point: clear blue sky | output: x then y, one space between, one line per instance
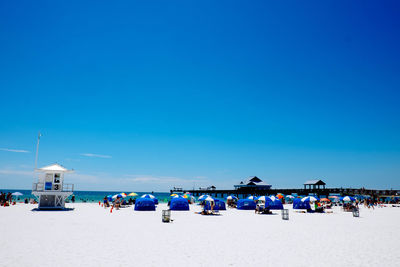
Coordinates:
145 95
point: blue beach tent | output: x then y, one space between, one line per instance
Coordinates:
179 203
273 204
207 206
298 204
145 204
245 204
220 204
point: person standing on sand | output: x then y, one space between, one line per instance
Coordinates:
105 202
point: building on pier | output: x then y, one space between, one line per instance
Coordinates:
314 184
253 183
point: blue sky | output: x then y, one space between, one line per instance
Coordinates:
146 95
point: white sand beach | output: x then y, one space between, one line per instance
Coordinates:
92 236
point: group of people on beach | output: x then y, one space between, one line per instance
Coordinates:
5 198
117 202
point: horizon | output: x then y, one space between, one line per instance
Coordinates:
148 96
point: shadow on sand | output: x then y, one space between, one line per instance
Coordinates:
44 209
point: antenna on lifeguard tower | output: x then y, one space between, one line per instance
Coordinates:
37 149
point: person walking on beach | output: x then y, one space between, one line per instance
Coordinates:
105 202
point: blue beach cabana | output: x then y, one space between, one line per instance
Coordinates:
145 204
179 203
273 204
219 204
300 205
246 204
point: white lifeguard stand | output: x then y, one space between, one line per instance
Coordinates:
50 189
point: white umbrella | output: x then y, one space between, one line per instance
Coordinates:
310 198
251 197
262 198
148 196
289 196
17 194
209 199
348 198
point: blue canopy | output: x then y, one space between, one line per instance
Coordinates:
220 204
207 206
246 204
179 203
298 204
145 204
273 204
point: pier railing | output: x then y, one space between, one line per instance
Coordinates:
243 192
41 187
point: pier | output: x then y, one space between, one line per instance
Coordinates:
244 192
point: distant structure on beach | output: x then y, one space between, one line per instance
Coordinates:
212 187
50 189
314 184
253 182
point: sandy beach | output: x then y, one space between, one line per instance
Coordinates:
92 236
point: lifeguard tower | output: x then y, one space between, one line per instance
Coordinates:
50 189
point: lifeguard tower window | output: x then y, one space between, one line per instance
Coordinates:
56 178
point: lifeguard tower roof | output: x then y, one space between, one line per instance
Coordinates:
54 168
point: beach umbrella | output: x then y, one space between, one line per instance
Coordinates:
120 195
264 198
202 197
208 199
133 194
273 198
309 198
172 195
252 197
231 197
348 198
148 196
325 199
279 196
289 196
151 197
17 194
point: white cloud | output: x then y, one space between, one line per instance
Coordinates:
96 155
14 150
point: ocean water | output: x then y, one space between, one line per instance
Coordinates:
90 196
